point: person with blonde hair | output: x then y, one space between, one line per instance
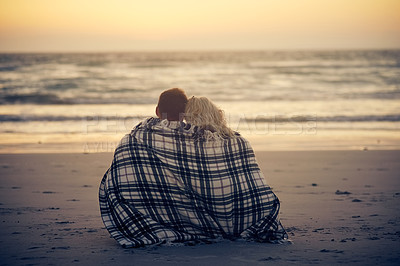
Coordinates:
173 181
201 112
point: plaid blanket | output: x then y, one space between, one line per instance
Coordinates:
171 182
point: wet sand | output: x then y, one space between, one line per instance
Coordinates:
337 206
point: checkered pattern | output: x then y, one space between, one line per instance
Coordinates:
171 182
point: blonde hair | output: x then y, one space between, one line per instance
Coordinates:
201 112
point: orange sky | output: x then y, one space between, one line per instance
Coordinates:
124 25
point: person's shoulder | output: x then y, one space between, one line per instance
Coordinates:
150 121
147 122
245 142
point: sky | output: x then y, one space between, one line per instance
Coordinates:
133 25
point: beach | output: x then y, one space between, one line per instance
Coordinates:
339 207
324 124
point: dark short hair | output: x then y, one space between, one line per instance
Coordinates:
172 104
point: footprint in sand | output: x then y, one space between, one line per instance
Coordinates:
270 259
331 251
65 222
63 248
338 192
348 239
49 192
356 200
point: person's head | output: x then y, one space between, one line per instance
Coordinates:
200 111
171 105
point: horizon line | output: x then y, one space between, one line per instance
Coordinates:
217 50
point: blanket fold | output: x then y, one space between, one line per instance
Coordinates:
172 182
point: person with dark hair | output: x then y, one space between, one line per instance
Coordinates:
173 182
171 105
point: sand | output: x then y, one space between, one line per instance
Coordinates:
337 206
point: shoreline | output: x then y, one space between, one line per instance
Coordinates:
269 143
337 206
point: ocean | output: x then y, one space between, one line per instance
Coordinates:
280 100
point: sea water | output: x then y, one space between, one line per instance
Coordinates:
278 99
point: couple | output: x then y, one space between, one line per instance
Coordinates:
195 181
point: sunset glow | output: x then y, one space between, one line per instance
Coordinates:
48 25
